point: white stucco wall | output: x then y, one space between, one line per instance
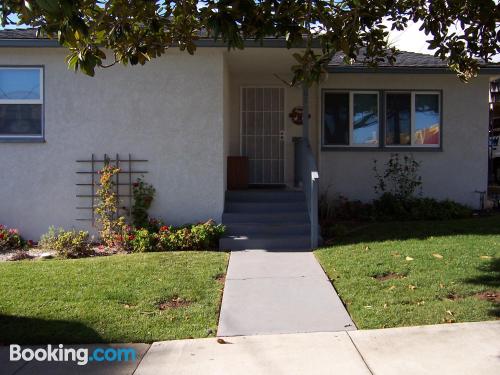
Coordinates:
169 112
455 172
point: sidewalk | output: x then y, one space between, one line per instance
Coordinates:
271 292
466 348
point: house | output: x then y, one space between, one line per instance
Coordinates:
184 115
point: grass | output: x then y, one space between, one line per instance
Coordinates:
111 299
440 267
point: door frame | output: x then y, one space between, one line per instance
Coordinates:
266 86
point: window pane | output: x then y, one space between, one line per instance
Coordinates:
336 119
427 119
398 112
19 84
365 119
20 119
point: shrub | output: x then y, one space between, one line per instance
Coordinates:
143 194
10 239
111 225
143 241
334 230
390 207
206 235
344 209
190 237
399 178
169 238
154 224
67 243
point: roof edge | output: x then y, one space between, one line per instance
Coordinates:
488 69
29 43
51 43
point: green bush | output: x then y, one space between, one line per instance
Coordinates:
67 243
143 194
206 235
390 207
399 178
190 237
202 236
10 239
142 241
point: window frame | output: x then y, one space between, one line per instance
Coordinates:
351 94
413 94
382 121
20 138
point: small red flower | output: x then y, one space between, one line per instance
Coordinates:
2 236
164 229
131 237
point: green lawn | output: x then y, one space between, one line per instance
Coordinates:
429 289
111 299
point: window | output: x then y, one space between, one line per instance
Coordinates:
398 119
21 103
336 119
409 119
350 119
365 119
413 119
427 119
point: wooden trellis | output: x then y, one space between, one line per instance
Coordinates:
123 183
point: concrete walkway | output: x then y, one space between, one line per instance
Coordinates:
270 292
466 348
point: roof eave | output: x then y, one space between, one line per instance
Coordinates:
37 43
28 43
406 69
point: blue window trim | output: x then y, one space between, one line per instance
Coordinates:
31 138
382 119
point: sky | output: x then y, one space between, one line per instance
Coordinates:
414 40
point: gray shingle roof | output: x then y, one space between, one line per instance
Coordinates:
18 34
403 59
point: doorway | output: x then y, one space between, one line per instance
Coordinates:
262 133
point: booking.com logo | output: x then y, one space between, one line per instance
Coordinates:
79 355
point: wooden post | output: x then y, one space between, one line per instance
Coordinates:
305 113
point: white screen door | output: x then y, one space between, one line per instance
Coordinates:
262 133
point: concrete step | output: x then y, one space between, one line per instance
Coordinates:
265 242
264 196
266 207
278 218
266 229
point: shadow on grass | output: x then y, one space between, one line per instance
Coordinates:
489 278
355 233
21 330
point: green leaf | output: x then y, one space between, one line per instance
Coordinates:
50 6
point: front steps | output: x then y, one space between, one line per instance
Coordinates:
265 219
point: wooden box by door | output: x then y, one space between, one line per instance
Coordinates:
237 172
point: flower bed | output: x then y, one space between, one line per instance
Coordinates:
10 239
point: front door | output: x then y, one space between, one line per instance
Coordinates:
262 133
